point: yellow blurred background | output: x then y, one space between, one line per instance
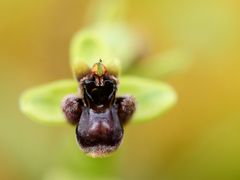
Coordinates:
198 139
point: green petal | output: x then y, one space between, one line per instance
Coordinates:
43 103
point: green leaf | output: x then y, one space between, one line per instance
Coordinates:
153 98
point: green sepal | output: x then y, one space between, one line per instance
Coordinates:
153 98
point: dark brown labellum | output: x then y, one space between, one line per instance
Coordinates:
98 114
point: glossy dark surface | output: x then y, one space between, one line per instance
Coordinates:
99 96
99 129
99 115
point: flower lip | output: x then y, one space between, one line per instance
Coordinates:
99 134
